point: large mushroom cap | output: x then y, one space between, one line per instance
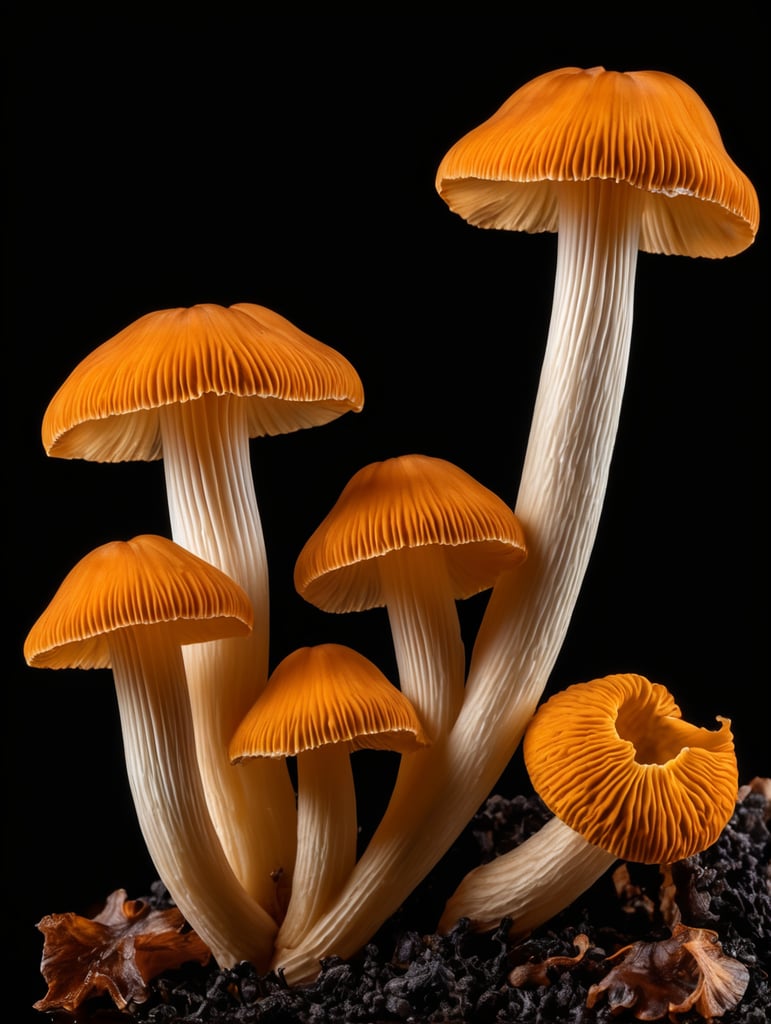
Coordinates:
108 408
646 129
615 761
139 583
414 501
327 694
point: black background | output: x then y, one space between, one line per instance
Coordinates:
290 162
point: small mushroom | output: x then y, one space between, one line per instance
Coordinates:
320 704
414 534
129 606
193 385
626 778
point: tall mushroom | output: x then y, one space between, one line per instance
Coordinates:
321 704
414 534
626 778
614 162
192 386
129 606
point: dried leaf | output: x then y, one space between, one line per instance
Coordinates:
537 973
117 952
688 971
723 981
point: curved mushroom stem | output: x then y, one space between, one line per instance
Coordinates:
561 494
529 884
159 744
213 511
326 836
569 452
426 634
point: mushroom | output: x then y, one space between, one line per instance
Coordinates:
320 704
613 162
414 534
193 385
626 778
129 606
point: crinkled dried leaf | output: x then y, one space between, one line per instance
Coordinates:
117 952
688 971
538 973
723 980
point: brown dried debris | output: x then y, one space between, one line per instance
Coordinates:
118 952
632 899
537 973
760 784
687 972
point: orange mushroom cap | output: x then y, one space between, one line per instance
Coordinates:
139 583
107 409
614 760
414 501
327 694
647 129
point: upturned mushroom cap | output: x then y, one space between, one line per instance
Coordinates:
138 583
414 501
614 760
107 409
327 694
647 129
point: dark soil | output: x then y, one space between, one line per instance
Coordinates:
406 974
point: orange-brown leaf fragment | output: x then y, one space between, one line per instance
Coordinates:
538 973
722 982
118 952
687 971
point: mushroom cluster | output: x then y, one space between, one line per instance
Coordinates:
262 860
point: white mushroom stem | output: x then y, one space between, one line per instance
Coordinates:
425 628
214 514
529 884
171 808
326 836
562 489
